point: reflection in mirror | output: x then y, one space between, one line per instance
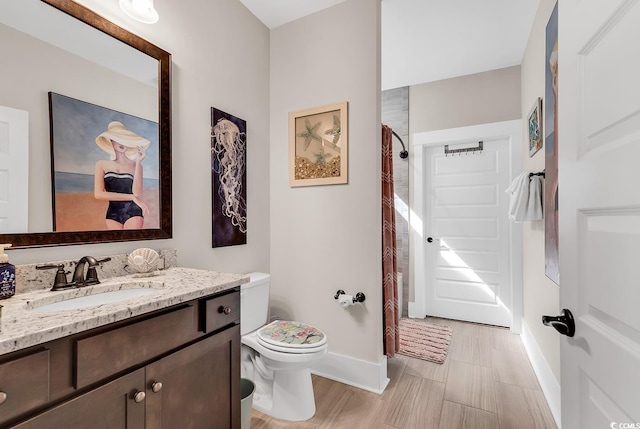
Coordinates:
69 50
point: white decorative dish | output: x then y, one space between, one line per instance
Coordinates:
144 260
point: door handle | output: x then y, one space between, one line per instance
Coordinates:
431 239
564 323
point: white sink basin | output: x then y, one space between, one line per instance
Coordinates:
98 298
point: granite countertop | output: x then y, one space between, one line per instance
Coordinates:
24 326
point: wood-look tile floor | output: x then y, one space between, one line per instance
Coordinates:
486 382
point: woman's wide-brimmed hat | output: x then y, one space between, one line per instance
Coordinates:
118 133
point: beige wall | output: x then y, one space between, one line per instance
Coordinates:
220 54
541 295
480 98
325 238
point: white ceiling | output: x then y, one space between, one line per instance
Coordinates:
428 40
274 13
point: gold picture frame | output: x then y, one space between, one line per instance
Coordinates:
318 145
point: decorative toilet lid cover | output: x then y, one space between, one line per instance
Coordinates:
292 335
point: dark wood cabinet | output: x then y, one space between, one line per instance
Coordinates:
195 388
24 383
175 368
110 406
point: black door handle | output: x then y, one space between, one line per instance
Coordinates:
564 323
431 239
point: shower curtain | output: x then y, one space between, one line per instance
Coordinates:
389 261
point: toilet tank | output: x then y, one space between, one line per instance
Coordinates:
254 302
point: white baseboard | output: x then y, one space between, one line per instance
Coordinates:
550 386
416 311
354 372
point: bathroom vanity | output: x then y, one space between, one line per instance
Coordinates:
168 359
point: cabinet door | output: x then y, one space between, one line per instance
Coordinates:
111 406
24 384
200 385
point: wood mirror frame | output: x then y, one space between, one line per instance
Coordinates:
44 239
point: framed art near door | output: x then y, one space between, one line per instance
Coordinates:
535 127
552 264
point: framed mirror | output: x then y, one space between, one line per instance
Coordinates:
62 47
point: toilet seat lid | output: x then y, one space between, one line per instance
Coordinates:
291 335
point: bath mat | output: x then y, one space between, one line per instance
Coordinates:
423 340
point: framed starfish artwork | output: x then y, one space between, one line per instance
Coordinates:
318 145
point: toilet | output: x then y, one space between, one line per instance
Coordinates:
277 356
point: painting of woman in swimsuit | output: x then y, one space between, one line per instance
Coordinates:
119 180
106 168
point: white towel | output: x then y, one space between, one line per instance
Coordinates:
519 197
525 201
534 206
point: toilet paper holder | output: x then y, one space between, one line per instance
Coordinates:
358 297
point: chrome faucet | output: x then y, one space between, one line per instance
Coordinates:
79 279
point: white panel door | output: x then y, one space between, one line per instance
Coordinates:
599 211
467 234
14 170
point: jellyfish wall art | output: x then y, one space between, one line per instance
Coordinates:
228 179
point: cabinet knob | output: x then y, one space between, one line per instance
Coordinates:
225 310
156 387
3 397
139 397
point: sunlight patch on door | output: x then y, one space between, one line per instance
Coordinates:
416 223
474 290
